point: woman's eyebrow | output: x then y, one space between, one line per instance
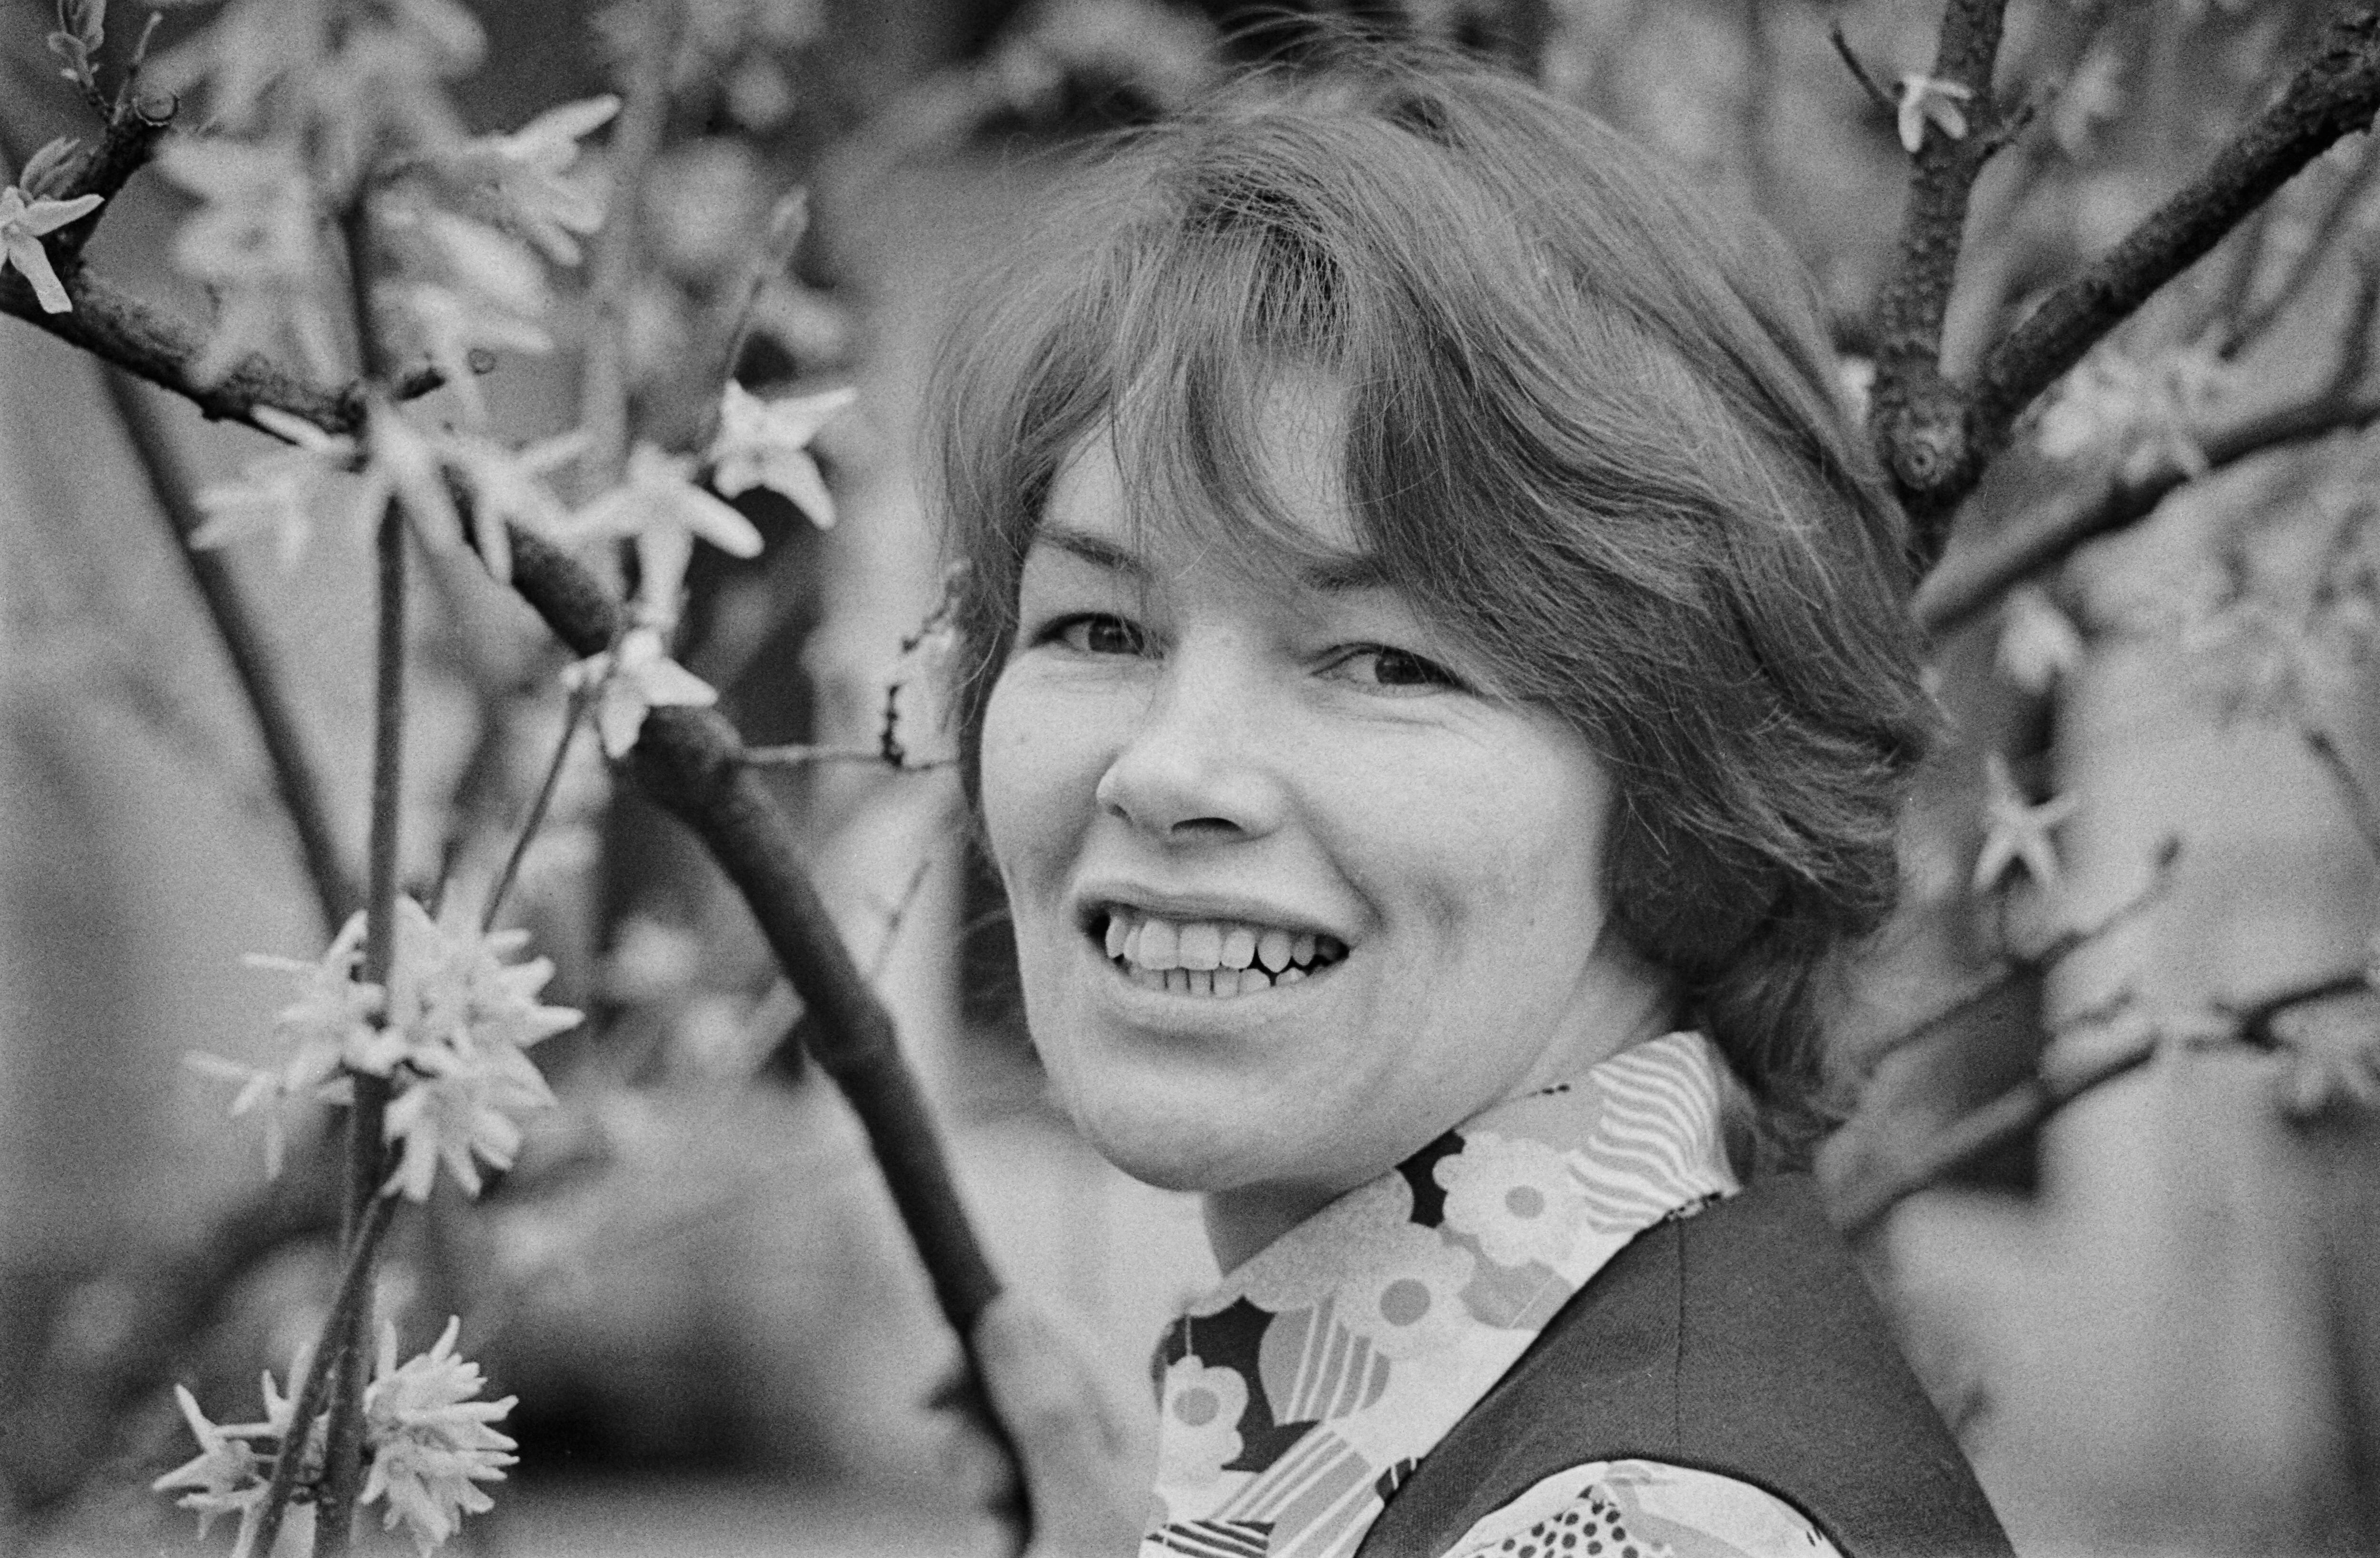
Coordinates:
1339 574
1097 551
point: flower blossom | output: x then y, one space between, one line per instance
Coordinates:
329 1028
2016 831
523 175
394 461
1926 99
226 1477
505 489
448 1032
767 443
2039 644
662 507
277 491
466 1015
633 682
23 221
430 1440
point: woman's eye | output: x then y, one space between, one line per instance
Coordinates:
1382 666
1099 635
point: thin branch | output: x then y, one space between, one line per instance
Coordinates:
2360 810
294 778
2253 1020
788 220
1972 579
1984 1130
2250 322
635 140
2016 968
571 721
1852 63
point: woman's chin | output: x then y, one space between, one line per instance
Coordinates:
1161 1138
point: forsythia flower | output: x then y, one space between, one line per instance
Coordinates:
22 223
767 443
277 491
448 1033
523 172
2039 644
1928 100
2016 831
430 1440
505 488
659 504
329 1028
226 1477
465 1015
630 685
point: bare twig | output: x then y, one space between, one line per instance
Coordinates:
1971 579
2005 1119
294 778
2017 967
2250 322
1852 63
571 721
788 220
2351 791
635 140
2253 1020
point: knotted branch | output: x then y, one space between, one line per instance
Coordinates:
1935 436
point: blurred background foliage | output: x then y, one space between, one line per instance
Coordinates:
2154 1318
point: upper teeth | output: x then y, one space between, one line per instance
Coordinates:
1149 942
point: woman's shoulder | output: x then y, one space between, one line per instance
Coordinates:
1613 1509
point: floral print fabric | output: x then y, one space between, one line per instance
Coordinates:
1299 1393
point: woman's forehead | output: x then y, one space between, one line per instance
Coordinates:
1292 533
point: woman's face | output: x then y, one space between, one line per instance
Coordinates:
1197 782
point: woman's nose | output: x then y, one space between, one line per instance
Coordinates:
1193 768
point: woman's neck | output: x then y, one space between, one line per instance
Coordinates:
1242 1221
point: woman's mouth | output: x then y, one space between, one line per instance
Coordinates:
1212 957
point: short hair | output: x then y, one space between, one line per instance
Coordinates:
1592 430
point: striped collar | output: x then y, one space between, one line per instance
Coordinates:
1300 1392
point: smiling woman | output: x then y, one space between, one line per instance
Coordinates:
1436 695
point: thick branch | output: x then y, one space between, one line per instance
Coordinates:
1918 420
692 762
1970 580
117 327
294 774
123 149
2334 94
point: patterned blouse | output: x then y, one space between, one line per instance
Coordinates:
1299 1395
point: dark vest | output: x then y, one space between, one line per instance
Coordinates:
1741 1341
